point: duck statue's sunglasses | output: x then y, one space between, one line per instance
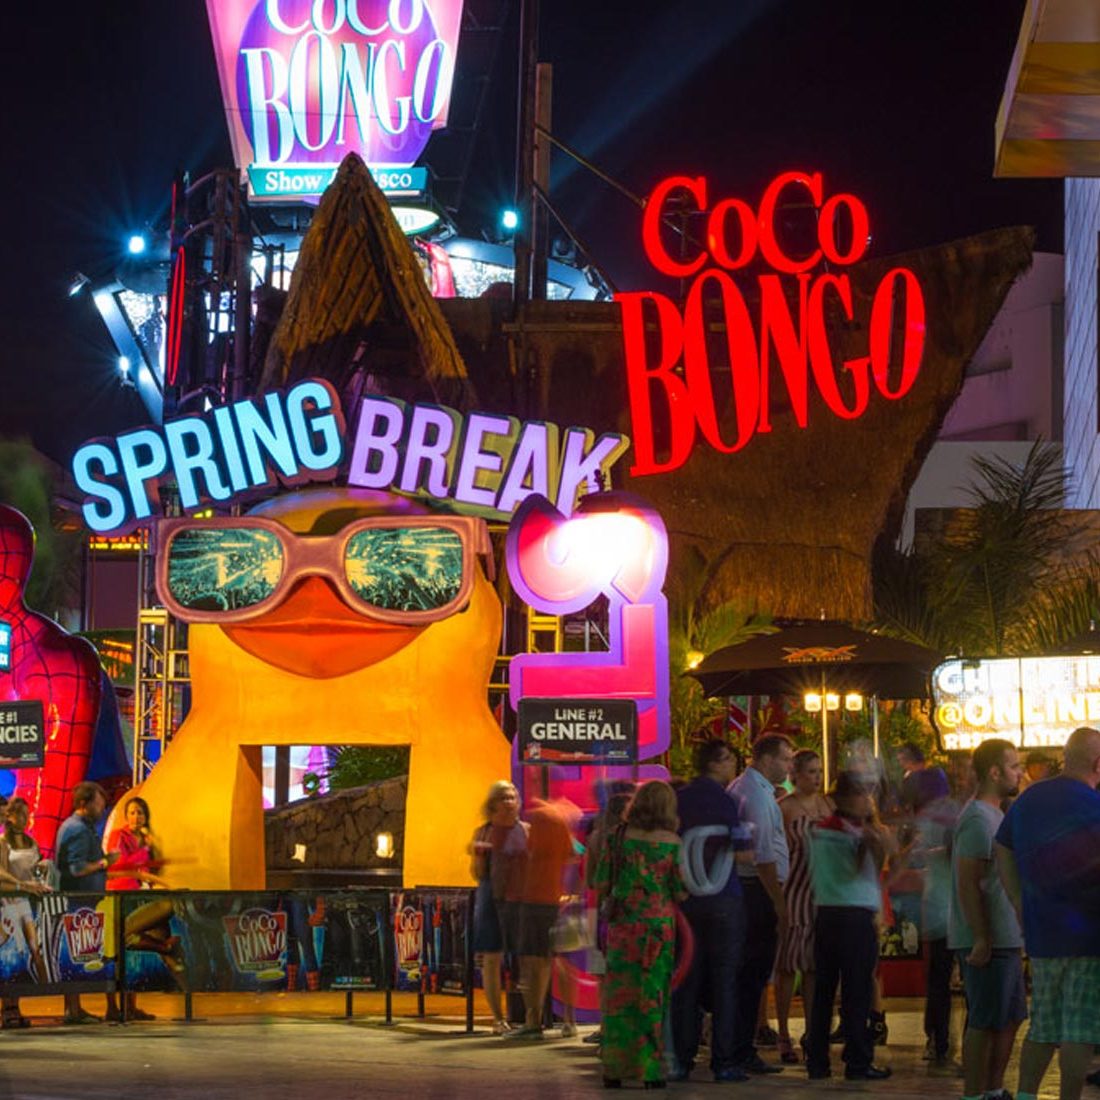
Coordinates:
409 570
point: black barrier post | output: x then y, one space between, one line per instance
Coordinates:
389 1006
469 962
188 1013
121 987
347 1004
420 1001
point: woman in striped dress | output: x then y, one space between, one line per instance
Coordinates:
801 808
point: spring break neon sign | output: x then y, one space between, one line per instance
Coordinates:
478 462
794 338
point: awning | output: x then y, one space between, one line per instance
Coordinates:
1048 123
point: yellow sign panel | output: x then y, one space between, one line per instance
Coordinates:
1035 702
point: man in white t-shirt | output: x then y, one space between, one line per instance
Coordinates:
983 928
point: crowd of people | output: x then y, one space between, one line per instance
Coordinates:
80 865
714 888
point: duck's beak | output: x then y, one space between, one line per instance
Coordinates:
314 633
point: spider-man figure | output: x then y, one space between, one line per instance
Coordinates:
52 666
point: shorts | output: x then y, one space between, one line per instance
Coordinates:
995 995
510 922
1065 1000
534 931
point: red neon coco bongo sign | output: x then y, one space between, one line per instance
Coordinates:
792 336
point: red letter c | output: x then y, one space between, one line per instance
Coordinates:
651 225
769 246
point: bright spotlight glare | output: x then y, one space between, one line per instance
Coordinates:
124 365
509 219
136 244
597 545
78 283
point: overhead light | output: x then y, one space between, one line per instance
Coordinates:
78 282
124 366
853 701
383 845
136 244
812 702
695 658
509 220
832 701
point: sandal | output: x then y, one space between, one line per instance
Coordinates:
501 1027
787 1054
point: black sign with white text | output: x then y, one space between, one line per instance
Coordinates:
22 734
578 731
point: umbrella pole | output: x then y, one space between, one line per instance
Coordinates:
874 725
824 734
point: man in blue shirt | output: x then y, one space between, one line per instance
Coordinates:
1048 855
82 865
713 839
762 883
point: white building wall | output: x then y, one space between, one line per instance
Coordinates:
1082 397
1011 395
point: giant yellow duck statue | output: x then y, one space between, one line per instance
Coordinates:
327 617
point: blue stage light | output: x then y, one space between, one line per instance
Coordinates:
136 244
509 219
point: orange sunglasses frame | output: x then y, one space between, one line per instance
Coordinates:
324 556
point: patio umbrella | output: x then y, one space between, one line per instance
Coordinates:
801 657
820 656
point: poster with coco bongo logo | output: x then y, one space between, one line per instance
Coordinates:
55 939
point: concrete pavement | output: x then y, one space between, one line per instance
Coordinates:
293 1051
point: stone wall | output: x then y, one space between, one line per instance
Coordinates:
338 830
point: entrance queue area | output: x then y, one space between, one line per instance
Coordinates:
670 901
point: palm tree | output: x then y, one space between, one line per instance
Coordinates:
1000 579
694 633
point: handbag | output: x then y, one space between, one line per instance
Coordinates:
570 932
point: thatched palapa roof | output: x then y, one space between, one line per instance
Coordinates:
358 299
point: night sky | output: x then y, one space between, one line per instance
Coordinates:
893 101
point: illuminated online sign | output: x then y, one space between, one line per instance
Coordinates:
1034 702
794 337
305 82
480 463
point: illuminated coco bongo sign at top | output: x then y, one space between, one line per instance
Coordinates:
795 338
307 81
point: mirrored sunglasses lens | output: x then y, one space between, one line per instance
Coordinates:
223 568
405 568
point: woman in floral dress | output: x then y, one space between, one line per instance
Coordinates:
639 871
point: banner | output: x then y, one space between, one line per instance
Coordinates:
22 734
255 942
430 934
56 941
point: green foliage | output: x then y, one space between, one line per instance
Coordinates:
995 582
357 765
25 484
695 633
